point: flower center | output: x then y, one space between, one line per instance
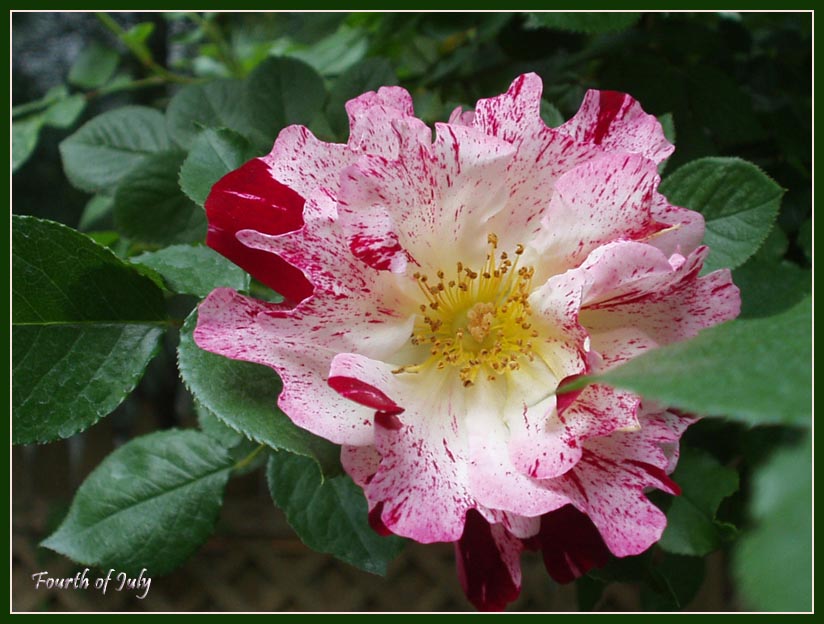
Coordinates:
479 321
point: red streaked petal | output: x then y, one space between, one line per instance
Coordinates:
638 299
376 521
298 347
602 200
421 479
570 544
360 462
609 482
488 563
250 199
361 392
616 122
551 443
304 163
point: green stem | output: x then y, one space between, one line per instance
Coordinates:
216 35
43 103
30 107
151 81
240 465
141 52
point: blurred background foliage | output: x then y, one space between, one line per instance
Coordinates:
723 84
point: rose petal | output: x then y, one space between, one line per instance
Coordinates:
360 462
433 201
300 348
249 198
321 251
494 480
616 122
488 559
304 163
684 232
551 443
514 114
637 299
542 156
374 126
421 483
570 544
608 485
522 527
597 202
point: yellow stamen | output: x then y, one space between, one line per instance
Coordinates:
478 320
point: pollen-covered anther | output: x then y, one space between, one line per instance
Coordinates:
480 318
477 320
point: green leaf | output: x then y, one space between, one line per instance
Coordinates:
774 246
805 239
691 525
193 270
150 207
243 396
24 135
335 53
668 582
215 428
329 515
216 104
368 75
280 92
247 455
667 122
731 370
93 68
58 92
96 210
429 107
668 126
106 238
84 327
591 23
138 34
215 153
739 203
63 113
770 286
589 591
673 583
104 150
773 563
550 114
149 504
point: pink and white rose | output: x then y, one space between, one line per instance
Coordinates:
437 293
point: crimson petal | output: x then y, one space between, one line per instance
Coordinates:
250 199
484 574
570 544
